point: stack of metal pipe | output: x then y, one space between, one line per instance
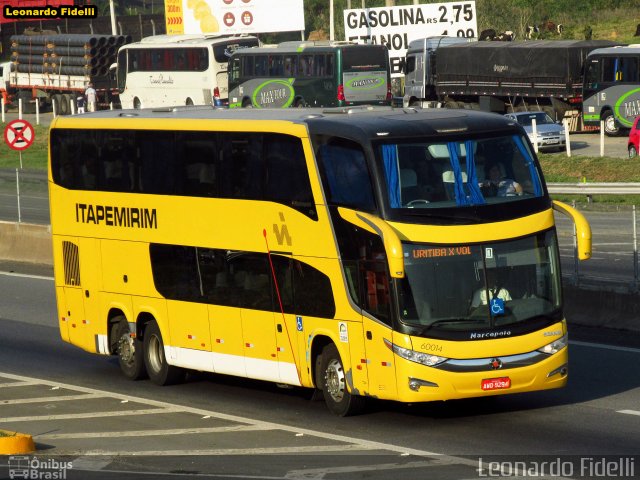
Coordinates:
65 54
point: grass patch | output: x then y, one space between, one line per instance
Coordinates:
34 157
560 168
4 433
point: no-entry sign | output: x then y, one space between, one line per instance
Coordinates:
19 134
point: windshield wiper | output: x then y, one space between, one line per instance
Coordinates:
450 321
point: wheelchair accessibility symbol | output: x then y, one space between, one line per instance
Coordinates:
497 306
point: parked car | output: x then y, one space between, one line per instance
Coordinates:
550 133
634 139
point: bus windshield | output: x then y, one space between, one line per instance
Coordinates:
437 174
473 287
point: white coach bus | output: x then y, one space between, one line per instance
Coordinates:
171 70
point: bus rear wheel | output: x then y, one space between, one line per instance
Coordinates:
334 385
129 350
160 372
611 127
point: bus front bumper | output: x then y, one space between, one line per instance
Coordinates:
418 383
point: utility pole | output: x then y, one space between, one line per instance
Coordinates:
331 21
113 18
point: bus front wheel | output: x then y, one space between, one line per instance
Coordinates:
611 127
129 350
334 385
137 104
160 372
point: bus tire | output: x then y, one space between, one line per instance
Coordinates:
189 102
611 127
334 385
129 350
137 104
246 103
160 372
299 103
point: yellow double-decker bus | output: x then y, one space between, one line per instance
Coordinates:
365 252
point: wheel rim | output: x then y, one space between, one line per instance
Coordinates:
126 349
610 124
154 352
334 380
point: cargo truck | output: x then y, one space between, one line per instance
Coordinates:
48 68
499 77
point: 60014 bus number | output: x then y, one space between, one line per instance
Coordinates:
431 347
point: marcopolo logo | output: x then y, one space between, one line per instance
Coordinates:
366 83
274 94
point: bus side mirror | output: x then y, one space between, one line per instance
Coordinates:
583 229
390 239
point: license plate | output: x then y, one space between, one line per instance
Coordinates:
496 383
553 140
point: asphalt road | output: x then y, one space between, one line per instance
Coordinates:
80 408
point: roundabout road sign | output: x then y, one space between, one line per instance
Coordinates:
19 135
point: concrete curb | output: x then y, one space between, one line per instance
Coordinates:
25 242
15 443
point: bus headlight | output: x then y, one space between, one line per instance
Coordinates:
427 359
555 346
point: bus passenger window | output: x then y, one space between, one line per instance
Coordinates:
261 65
347 176
286 175
306 65
330 62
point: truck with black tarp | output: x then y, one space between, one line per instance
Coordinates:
59 67
501 76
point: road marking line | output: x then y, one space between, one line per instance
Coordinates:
310 449
24 275
629 412
71 416
605 347
62 398
152 433
17 384
166 407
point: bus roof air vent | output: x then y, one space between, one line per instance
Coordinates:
183 108
359 109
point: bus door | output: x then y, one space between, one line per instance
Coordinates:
375 298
